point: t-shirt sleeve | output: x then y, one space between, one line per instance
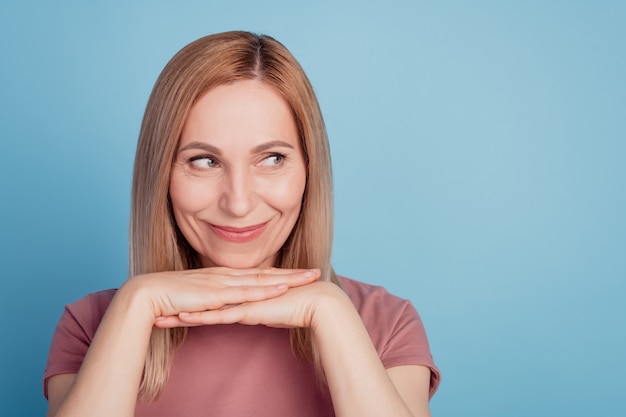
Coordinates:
73 335
395 328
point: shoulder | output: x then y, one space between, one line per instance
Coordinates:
382 312
89 310
74 332
366 296
394 326
81 319
99 299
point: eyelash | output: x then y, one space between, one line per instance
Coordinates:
194 160
281 158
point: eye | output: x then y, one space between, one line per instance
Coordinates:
203 162
274 159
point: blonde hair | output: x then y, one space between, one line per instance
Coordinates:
156 244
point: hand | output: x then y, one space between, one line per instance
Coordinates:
196 290
296 307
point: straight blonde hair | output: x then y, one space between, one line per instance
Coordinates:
156 243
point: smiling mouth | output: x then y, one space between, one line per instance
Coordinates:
238 234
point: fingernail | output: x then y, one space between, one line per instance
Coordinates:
311 273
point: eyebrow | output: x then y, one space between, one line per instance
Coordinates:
202 146
272 144
217 152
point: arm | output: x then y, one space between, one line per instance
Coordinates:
413 384
108 381
358 382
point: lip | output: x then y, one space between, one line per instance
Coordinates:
238 234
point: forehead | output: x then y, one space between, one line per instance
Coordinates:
243 112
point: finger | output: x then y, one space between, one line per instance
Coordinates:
214 299
248 314
259 277
236 314
245 271
292 278
170 322
239 294
305 278
231 272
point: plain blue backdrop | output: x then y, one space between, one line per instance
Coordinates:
479 153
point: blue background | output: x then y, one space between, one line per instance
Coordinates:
479 157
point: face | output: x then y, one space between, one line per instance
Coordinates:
239 176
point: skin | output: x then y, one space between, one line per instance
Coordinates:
239 164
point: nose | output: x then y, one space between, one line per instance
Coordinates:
238 196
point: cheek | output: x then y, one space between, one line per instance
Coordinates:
288 194
187 195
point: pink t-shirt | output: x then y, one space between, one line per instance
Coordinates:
238 370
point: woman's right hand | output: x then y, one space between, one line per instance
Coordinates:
113 366
196 290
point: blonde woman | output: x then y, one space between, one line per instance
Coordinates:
233 308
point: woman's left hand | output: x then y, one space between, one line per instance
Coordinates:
348 357
295 308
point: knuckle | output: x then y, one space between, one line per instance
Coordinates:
245 289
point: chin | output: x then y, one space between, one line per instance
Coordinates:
243 261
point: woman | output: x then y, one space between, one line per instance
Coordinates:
231 228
